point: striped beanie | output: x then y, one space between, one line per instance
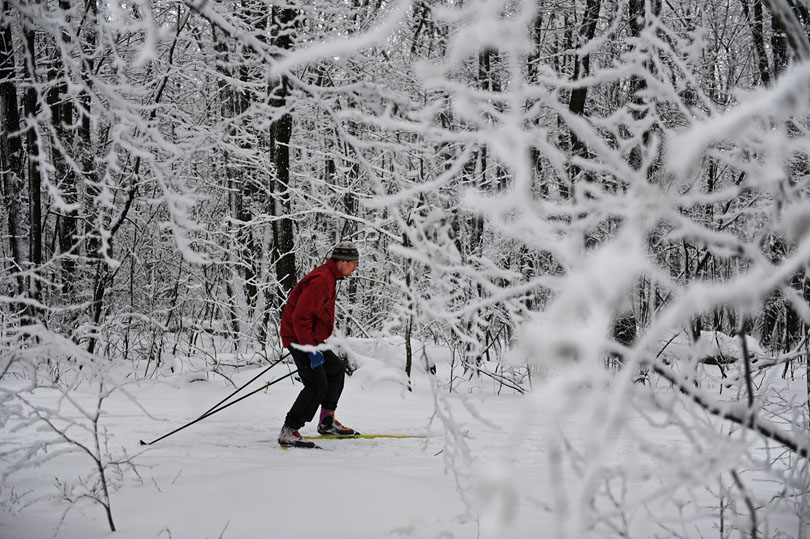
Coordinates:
346 250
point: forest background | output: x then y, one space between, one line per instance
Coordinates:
532 185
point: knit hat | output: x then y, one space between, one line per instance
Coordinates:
346 250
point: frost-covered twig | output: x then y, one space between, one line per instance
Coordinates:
740 415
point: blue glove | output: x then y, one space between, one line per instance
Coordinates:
315 359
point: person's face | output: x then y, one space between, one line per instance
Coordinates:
346 267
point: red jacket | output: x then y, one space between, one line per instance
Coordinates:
309 314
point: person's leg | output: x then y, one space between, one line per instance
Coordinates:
335 376
311 395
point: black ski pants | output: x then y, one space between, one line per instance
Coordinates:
322 386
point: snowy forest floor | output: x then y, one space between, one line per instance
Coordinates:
226 477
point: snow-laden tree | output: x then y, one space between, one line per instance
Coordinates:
634 142
581 198
607 177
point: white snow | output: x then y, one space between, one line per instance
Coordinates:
511 455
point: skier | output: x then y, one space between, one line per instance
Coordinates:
308 318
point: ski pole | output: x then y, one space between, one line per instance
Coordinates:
279 360
214 411
243 397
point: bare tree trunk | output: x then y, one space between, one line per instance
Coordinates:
283 233
807 369
230 106
576 102
34 173
11 148
787 28
61 108
255 14
282 29
758 35
637 14
409 349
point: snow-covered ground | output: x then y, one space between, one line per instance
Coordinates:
226 476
